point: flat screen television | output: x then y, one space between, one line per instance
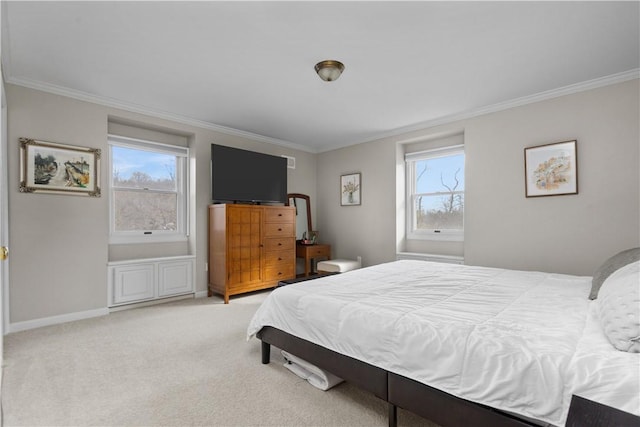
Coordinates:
243 176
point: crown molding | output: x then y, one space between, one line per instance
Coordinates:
141 109
134 108
525 100
501 106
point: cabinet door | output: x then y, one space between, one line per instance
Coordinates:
175 277
133 283
244 251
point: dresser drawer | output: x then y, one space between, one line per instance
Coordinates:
279 244
313 251
279 215
278 230
278 257
280 272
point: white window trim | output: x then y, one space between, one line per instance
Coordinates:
181 234
431 234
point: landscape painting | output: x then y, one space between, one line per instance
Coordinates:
551 169
58 168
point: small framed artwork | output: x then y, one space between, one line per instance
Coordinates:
59 168
551 169
350 187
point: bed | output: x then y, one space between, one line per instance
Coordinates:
456 343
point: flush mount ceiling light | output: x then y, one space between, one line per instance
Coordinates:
329 70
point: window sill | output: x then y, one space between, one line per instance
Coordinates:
445 237
146 238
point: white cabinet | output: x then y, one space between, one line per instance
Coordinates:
148 279
133 283
175 278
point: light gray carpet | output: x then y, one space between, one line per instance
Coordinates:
185 363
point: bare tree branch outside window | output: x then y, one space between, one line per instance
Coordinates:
439 200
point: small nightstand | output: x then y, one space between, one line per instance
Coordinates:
309 252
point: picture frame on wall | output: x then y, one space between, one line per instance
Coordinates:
50 167
551 169
350 189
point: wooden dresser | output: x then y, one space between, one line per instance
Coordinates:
250 247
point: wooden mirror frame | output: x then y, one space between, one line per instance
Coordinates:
308 199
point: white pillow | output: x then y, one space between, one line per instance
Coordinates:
612 264
619 308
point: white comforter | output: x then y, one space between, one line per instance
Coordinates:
512 340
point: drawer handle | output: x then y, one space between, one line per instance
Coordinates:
279 244
279 214
279 259
279 229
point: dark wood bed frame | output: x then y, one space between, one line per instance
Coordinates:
441 408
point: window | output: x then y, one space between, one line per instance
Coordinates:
435 194
148 189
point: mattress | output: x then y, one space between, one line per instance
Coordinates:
518 341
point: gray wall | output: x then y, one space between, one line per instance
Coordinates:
59 244
568 234
60 247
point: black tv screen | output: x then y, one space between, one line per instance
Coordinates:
246 176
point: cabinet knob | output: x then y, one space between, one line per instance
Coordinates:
279 229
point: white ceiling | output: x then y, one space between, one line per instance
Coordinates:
248 66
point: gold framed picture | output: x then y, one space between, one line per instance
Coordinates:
51 167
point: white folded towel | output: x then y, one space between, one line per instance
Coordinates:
315 376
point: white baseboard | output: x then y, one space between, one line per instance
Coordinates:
149 303
201 294
54 320
70 317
